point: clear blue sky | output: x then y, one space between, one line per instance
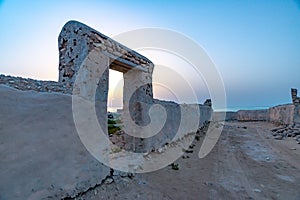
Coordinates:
254 44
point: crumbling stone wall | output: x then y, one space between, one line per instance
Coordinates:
170 128
253 115
288 114
296 103
282 114
295 98
77 41
228 116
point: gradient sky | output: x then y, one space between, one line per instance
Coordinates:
254 44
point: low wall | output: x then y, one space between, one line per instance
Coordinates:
180 118
282 114
253 115
227 116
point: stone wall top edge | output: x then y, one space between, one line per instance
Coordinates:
76 24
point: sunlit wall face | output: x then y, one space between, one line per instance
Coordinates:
255 46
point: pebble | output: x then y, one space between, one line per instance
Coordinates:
256 190
108 181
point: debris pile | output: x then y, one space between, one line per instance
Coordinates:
286 131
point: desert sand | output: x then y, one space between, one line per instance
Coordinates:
246 163
43 158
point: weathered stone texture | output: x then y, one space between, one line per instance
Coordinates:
170 128
253 115
295 98
227 116
76 40
297 115
288 114
282 114
296 102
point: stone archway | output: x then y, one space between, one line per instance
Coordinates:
77 41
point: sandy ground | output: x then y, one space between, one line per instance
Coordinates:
246 163
41 155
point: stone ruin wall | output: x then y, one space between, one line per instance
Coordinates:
253 115
296 103
228 116
288 114
282 114
76 40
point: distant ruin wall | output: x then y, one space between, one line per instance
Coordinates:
253 115
206 113
282 114
288 114
228 116
296 103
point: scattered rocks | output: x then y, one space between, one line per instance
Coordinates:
243 127
108 180
120 173
297 138
256 190
188 151
175 166
278 137
286 131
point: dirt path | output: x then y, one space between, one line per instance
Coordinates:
252 165
246 163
